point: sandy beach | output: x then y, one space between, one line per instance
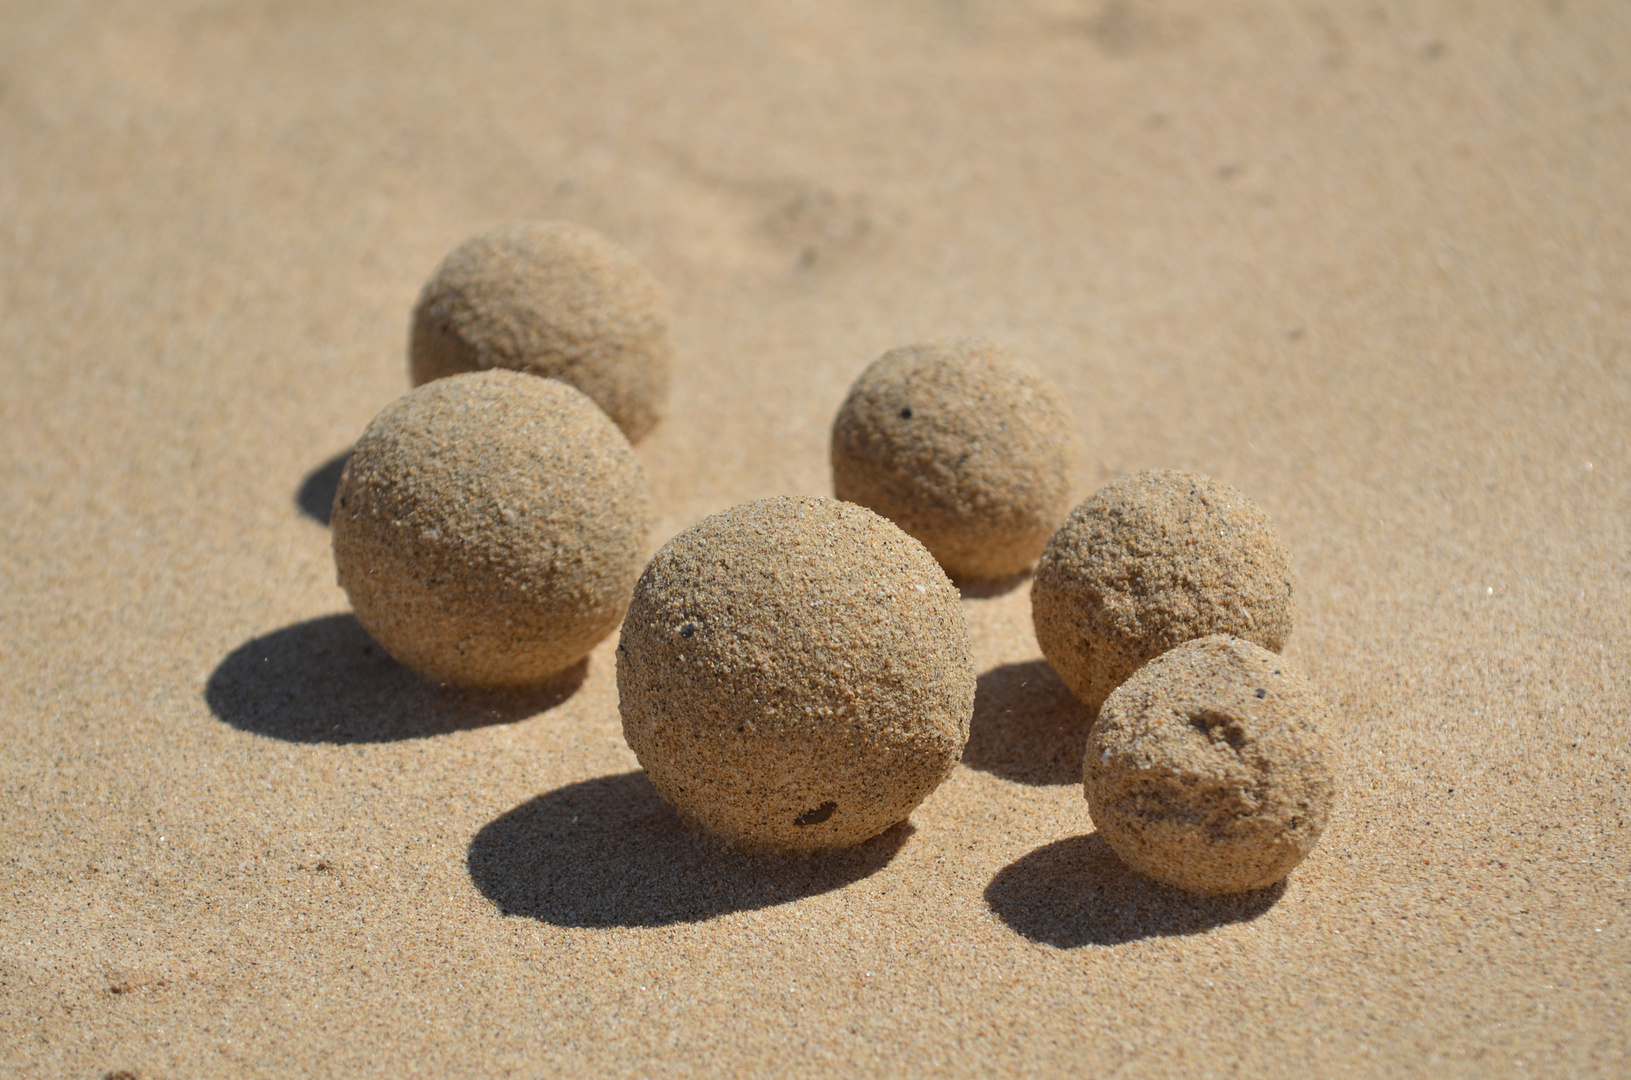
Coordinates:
1369 263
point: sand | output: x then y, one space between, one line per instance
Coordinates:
1369 263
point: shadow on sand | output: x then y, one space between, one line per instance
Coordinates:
1076 892
326 680
316 495
1027 726
993 588
611 852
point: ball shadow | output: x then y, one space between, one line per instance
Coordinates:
1077 892
1027 726
991 588
316 495
611 852
327 681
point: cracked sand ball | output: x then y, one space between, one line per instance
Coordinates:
794 673
1149 562
488 528
964 447
1207 770
551 299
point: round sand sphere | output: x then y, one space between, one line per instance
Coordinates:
1149 562
552 299
795 673
964 447
1207 769
488 528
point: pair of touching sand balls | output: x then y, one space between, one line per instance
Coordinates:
1163 602
489 526
795 673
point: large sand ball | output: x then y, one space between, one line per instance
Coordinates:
1208 770
1149 562
488 528
795 673
551 299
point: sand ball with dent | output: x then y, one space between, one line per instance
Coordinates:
964 447
1207 769
552 299
488 528
794 673
1149 562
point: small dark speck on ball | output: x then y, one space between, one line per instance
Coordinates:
816 816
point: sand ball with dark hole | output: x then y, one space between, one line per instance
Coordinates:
794 673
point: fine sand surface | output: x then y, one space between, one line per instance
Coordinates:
1370 263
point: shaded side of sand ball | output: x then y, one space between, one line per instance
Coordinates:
964 447
1149 562
1207 769
795 673
552 299
488 528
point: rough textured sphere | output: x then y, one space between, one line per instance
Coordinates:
1149 562
962 446
488 528
1207 769
551 299
795 673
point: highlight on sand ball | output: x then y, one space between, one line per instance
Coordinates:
1149 562
552 299
1207 770
963 446
488 528
794 673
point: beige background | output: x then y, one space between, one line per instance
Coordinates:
1368 262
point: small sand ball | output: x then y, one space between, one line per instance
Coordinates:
551 299
795 673
964 447
1149 562
1207 769
488 528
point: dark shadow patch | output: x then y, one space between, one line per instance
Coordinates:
989 590
1125 30
316 495
1027 726
611 852
1077 892
327 681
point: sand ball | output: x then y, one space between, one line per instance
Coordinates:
488 528
795 673
552 299
1149 562
1207 769
964 447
